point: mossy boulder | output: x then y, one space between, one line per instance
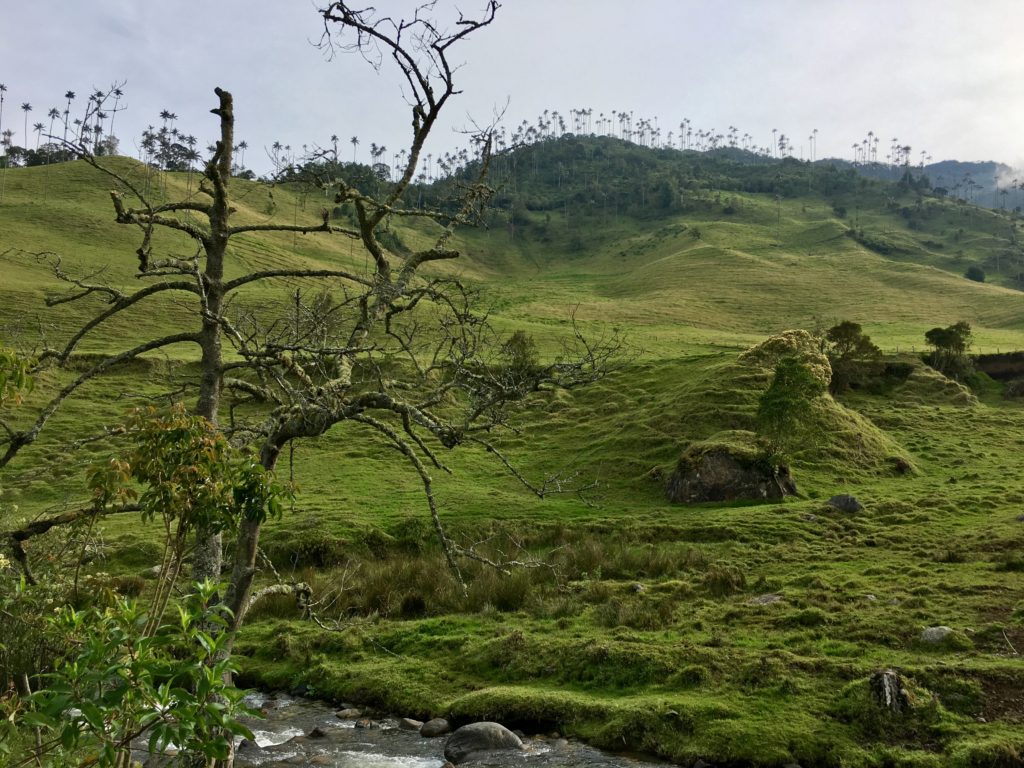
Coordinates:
728 466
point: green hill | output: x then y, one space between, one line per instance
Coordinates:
738 633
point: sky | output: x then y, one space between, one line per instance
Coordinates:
944 76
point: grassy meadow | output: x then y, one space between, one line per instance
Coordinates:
739 633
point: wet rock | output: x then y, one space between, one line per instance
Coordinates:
302 689
365 722
317 733
936 635
408 724
845 503
479 737
320 760
348 714
436 727
248 746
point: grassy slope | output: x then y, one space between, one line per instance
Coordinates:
689 665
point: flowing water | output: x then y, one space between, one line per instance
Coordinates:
282 739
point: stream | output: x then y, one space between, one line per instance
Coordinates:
282 739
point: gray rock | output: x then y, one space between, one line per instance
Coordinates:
365 722
768 599
436 727
935 635
479 737
348 714
714 471
408 724
844 503
317 733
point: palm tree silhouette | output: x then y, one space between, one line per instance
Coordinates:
38 128
70 96
26 108
118 93
3 90
355 143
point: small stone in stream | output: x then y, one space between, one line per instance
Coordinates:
320 760
364 722
436 727
348 714
408 724
317 733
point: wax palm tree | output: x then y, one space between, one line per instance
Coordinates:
242 146
26 108
53 114
70 96
118 93
38 128
5 141
3 90
355 143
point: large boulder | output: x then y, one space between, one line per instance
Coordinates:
479 737
728 466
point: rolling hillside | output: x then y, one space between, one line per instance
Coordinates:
743 634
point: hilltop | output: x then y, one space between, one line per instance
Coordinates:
742 633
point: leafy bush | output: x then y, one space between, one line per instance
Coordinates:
125 680
975 273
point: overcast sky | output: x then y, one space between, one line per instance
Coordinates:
945 76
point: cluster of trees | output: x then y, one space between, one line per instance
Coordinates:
949 350
91 129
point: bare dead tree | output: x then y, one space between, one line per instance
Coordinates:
397 351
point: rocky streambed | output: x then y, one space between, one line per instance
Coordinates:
305 732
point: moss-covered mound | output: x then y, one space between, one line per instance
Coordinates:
798 343
845 441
